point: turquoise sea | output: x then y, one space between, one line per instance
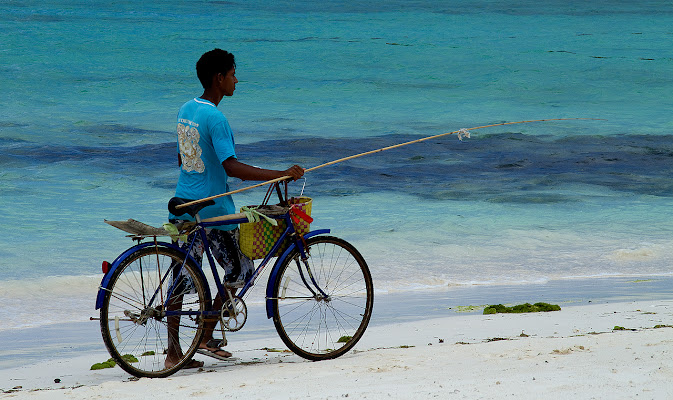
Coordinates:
89 93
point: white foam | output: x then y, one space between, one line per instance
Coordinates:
47 300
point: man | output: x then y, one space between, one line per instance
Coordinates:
207 159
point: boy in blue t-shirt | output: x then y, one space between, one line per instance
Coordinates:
207 158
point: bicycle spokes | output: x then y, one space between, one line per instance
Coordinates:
323 305
153 341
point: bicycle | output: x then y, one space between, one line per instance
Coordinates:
154 296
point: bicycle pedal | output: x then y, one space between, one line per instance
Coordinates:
234 285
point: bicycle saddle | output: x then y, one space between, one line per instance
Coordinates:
191 210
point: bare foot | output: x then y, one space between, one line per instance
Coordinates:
194 364
191 364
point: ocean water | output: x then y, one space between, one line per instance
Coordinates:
90 91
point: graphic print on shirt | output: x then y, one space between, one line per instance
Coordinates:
190 151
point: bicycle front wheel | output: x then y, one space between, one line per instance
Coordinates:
138 333
323 305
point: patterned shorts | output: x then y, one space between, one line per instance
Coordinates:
224 247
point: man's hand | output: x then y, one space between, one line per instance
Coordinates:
295 172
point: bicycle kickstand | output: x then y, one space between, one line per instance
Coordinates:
224 337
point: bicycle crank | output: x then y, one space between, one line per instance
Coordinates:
234 314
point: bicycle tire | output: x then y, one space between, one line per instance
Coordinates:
138 343
315 327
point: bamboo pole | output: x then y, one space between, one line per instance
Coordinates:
378 151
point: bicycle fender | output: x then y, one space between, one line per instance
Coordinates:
115 264
273 275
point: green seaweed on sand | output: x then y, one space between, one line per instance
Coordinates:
344 339
521 308
148 353
110 363
274 350
621 328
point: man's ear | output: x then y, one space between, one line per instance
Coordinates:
215 80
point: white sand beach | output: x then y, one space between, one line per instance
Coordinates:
574 353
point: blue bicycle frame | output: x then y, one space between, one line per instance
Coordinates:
288 233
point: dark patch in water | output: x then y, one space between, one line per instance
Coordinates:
165 184
507 167
539 198
11 140
501 168
516 164
114 129
9 124
39 18
517 7
133 160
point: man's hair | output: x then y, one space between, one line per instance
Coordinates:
212 63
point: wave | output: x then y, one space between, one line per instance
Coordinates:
69 299
47 300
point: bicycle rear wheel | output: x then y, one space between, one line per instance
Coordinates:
136 331
322 306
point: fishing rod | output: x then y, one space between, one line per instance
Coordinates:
464 132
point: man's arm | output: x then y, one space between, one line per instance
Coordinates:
246 172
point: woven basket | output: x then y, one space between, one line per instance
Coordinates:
257 238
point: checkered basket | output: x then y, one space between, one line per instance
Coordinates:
257 238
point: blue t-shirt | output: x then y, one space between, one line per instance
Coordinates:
205 140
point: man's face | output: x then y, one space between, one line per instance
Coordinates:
229 82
